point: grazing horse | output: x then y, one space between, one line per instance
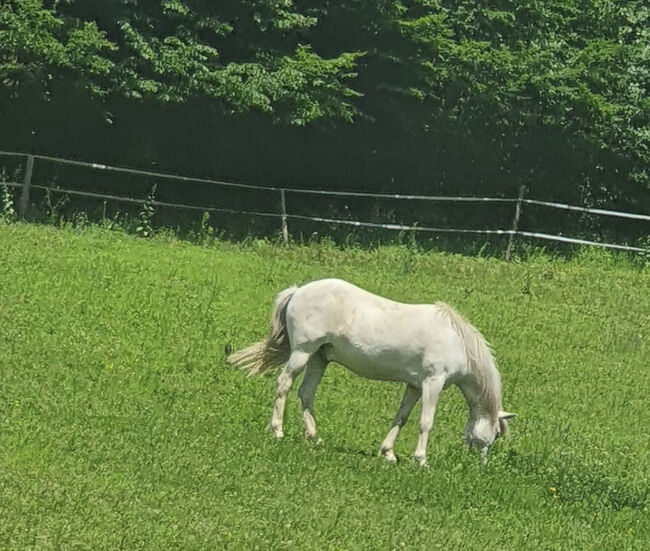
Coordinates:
426 346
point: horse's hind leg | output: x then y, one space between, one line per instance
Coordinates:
295 365
313 374
411 396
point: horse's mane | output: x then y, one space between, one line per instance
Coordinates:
479 357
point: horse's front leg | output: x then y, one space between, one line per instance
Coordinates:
431 389
313 375
411 396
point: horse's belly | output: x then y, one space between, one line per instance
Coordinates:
383 365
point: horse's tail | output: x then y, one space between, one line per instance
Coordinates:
479 357
275 350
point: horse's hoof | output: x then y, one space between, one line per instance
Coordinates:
389 456
279 435
421 461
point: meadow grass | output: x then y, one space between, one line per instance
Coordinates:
122 427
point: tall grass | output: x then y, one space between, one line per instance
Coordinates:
121 426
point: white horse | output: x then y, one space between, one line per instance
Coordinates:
426 346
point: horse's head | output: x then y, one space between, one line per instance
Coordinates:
481 432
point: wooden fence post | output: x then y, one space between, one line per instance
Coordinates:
515 222
27 182
283 207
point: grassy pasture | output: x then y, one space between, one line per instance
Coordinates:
121 426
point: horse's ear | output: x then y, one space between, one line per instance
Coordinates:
503 422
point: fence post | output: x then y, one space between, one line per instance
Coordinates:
515 222
27 182
283 207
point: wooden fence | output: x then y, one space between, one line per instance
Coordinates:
284 217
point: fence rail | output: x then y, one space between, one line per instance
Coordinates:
285 216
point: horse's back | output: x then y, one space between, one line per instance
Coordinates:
334 307
371 335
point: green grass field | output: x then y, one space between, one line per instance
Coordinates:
122 427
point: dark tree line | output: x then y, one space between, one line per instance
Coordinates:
398 95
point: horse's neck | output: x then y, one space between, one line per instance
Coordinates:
471 390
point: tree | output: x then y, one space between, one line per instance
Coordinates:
467 95
37 46
247 56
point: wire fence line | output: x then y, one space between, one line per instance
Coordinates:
284 216
588 210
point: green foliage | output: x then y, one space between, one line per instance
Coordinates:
122 426
55 204
146 214
501 88
37 45
171 52
583 68
7 208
